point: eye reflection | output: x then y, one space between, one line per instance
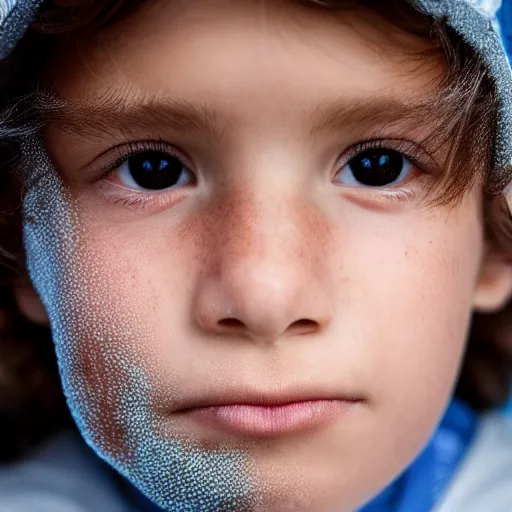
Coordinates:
153 170
379 167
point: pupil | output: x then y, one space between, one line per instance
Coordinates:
155 170
377 167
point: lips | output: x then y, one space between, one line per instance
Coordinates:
246 396
267 414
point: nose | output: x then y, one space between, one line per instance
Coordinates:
263 279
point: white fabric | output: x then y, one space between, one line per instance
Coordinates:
63 476
483 482
6 7
488 7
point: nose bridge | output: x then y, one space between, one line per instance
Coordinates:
259 273
267 231
264 238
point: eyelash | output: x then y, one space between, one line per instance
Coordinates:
416 155
130 149
127 151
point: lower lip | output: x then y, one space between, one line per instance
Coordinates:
263 420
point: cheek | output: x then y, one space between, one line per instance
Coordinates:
432 286
96 330
417 282
96 293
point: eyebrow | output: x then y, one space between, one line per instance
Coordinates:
125 112
94 117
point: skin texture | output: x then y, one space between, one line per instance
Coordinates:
265 270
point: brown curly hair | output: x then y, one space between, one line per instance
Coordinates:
31 400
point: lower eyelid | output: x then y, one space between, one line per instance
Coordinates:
384 200
410 189
141 200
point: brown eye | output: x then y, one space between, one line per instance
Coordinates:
379 167
153 170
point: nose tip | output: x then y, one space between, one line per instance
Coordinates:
261 306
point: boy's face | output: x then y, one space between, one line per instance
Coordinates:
239 217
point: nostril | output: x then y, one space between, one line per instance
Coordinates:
297 328
303 326
231 323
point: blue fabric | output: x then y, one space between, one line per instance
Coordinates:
15 18
505 19
508 408
421 485
140 502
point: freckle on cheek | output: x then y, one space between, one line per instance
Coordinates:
103 339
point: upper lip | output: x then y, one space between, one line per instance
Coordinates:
240 396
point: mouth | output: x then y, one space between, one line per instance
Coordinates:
268 415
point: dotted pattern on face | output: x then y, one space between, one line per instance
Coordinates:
107 390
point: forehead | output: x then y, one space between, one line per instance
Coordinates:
232 53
